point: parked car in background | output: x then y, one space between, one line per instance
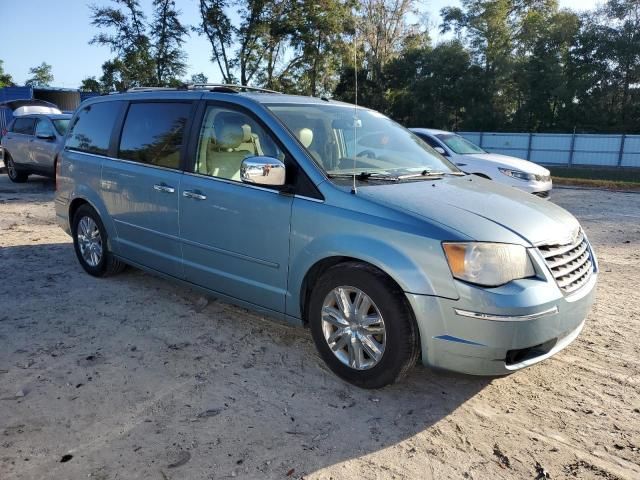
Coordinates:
11 108
325 215
31 145
470 158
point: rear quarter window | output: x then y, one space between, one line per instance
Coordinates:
92 127
153 133
25 126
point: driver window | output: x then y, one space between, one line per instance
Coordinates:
227 137
430 141
44 128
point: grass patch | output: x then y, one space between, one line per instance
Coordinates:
597 177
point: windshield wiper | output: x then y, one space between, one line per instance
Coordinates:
423 174
364 176
427 174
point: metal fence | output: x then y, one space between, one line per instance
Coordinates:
563 148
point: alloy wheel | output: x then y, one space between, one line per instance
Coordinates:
353 327
11 169
89 241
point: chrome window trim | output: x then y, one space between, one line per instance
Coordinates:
132 162
150 165
98 155
506 318
232 182
311 199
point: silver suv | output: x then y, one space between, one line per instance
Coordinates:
32 143
329 216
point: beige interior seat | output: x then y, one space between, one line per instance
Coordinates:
227 149
250 141
305 135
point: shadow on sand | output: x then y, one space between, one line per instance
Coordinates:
273 404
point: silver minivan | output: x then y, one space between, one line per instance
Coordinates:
329 216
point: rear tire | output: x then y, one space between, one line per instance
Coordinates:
382 341
15 175
90 242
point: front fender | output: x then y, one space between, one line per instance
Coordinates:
413 259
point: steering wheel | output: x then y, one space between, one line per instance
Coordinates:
367 153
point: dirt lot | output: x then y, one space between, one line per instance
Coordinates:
133 377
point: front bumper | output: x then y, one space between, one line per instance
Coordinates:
540 189
527 322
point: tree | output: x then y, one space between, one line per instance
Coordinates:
199 78
41 76
320 39
383 28
5 78
542 70
167 37
217 27
147 53
606 65
291 45
90 84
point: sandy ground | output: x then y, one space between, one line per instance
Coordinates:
133 377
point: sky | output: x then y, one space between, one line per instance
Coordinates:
58 32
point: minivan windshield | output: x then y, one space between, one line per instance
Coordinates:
61 125
459 145
346 141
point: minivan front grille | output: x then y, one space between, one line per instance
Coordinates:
570 263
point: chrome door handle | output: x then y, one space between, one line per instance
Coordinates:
164 188
194 195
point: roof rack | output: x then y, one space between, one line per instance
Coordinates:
149 89
221 87
193 86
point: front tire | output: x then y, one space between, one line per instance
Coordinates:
362 325
91 245
15 175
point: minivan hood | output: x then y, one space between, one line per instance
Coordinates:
481 209
508 162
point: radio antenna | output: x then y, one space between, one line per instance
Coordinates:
354 189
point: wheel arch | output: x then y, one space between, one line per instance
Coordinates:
84 197
75 204
321 266
318 268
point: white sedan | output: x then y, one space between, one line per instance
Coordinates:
470 158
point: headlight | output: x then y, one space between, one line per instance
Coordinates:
488 264
518 174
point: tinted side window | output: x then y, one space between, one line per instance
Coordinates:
153 133
24 125
45 128
429 140
91 129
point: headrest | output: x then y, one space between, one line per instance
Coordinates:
246 133
229 135
305 135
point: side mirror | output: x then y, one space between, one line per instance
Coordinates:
263 171
440 150
46 136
